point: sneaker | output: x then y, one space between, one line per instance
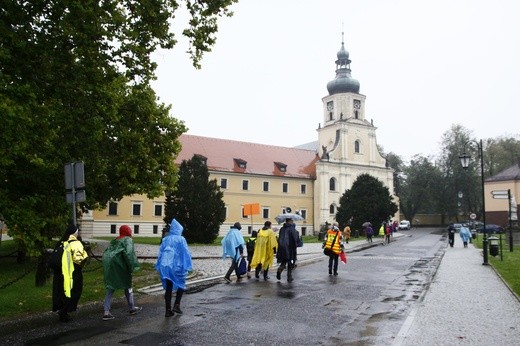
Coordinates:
169 313
135 310
228 280
108 317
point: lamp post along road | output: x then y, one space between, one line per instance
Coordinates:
464 160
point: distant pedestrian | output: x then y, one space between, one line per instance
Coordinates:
68 278
346 233
451 234
369 232
334 242
233 247
286 253
265 248
250 247
119 262
465 235
388 233
173 264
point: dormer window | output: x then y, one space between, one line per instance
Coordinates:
282 167
202 159
240 163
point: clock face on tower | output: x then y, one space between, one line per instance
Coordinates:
357 104
330 106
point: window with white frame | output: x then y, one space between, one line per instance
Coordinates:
266 186
245 185
285 187
223 183
303 189
136 208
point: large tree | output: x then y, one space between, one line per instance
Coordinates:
75 86
196 202
367 201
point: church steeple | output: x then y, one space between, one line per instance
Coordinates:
343 81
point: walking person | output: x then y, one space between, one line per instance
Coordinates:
369 231
346 233
173 264
388 233
68 278
265 248
465 235
334 242
286 253
250 247
451 234
119 262
233 247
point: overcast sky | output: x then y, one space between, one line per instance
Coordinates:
423 66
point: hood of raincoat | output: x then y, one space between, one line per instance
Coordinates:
124 231
175 228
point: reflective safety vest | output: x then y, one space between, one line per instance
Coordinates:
336 247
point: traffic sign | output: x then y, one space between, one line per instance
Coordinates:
472 216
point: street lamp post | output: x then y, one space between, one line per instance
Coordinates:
464 160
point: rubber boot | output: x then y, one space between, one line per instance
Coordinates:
177 304
266 277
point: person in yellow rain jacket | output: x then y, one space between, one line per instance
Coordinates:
265 248
68 286
333 241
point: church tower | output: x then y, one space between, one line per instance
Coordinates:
347 143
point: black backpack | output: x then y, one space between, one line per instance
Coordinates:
250 245
56 256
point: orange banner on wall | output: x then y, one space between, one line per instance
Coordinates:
251 209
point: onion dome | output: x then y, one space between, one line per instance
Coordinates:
343 82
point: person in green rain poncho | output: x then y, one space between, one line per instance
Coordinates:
119 262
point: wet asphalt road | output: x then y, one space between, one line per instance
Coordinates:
367 303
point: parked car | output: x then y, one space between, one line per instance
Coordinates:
404 224
490 228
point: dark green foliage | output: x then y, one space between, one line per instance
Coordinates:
75 86
196 203
367 201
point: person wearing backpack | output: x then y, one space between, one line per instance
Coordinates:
334 242
67 283
119 262
250 247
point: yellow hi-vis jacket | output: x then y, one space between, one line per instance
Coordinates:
67 268
336 247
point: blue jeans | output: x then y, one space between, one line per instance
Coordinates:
129 294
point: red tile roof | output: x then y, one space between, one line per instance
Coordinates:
224 155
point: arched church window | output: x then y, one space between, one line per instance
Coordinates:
332 184
356 146
330 116
356 114
332 209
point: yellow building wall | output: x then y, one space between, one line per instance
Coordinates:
97 223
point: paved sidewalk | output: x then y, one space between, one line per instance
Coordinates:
467 304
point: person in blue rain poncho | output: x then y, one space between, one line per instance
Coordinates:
233 246
465 235
173 265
